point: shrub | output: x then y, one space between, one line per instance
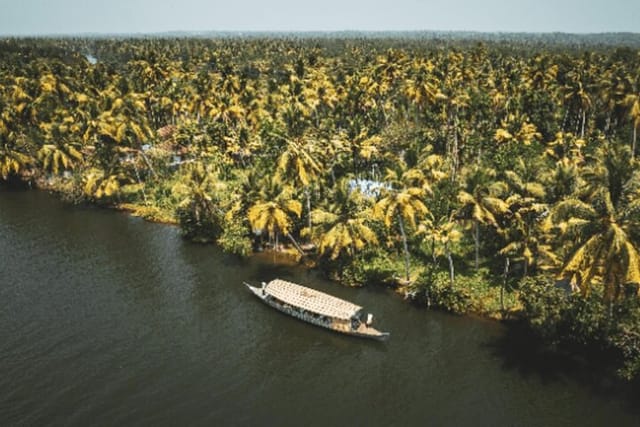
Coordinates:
372 268
625 338
587 323
234 238
544 306
436 288
198 224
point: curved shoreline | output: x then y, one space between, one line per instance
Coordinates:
288 257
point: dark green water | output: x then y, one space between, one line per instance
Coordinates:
106 319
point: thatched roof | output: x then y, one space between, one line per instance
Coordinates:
311 300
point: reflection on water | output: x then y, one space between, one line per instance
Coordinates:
105 316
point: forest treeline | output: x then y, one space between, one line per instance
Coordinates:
493 177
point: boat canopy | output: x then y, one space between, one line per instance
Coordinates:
311 300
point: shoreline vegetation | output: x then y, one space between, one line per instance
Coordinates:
496 177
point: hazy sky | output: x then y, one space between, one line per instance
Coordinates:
22 17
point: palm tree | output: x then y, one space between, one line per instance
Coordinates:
100 185
480 202
577 97
404 205
13 159
613 86
600 224
566 146
527 213
298 163
341 228
12 162
632 101
528 233
560 181
123 121
55 158
422 88
457 102
273 215
199 209
441 234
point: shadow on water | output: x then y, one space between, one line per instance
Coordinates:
520 350
15 184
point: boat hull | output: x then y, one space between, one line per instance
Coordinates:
327 323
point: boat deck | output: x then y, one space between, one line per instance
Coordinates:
311 300
316 307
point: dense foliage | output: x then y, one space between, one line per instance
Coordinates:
451 170
584 325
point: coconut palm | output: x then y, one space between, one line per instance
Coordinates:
273 215
422 88
440 235
632 102
528 234
341 227
526 230
13 158
56 158
404 206
480 202
100 185
12 161
298 164
613 87
600 224
199 192
561 180
577 97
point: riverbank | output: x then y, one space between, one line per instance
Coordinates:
478 297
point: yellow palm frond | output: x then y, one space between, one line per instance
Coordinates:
633 264
294 206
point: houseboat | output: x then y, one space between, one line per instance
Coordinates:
317 308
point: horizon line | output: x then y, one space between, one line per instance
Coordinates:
294 32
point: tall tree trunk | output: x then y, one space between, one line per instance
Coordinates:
295 244
354 162
449 143
433 250
504 282
307 193
633 142
405 247
149 165
452 272
144 195
476 241
584 119
525 270
275 249
455 149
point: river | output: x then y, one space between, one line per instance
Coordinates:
107 319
